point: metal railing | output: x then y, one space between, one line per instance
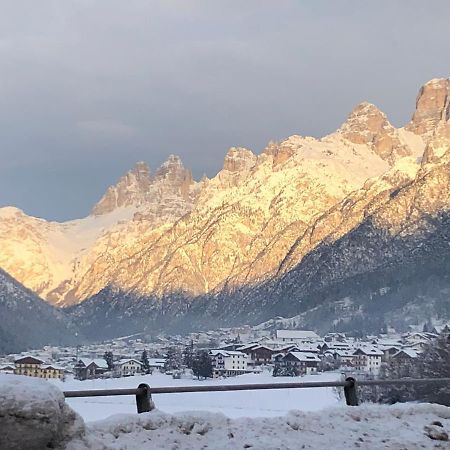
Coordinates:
144 401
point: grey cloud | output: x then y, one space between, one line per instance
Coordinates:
88 87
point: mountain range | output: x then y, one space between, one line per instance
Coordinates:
348 231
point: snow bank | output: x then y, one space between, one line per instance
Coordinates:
368 427
34 415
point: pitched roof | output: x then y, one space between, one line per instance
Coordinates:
124 361
29 360
304 356
296 334
99 362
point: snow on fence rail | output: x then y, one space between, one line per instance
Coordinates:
145 403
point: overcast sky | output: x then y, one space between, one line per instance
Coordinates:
89 87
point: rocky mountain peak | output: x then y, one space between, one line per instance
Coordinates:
364 124
432 108
170 167
128 191
367 125
239 159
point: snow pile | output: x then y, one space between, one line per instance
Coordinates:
369 427
34 415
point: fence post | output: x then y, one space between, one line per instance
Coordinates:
351 397
144 400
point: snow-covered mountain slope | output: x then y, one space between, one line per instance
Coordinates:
378 255
26 321
48 257
256 219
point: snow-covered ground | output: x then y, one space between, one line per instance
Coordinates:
370 427
264 403
34 416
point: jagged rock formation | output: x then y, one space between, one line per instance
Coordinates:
432 108
49 257
29 322
262 217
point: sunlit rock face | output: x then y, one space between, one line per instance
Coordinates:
161 232
432 108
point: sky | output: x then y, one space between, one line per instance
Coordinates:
90 87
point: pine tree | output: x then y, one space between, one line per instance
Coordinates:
145 363
173 359
188 355
202 365
109 358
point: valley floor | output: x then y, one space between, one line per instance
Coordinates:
267 403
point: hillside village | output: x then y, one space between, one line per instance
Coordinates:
229 352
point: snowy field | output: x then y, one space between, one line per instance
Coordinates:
264 403
34 416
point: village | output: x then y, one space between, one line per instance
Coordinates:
227 352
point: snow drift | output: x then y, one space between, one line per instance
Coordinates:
33 415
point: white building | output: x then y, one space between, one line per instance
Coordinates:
228 363
297 336
128 367
367 359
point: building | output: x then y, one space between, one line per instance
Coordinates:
297 336
90 368
7 368
228 363
367 359
127 368
35 367
157 363
258 354
296 363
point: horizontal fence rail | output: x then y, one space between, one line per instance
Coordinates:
145 403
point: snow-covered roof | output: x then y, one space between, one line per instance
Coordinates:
98 361
297 334
304 356
28 359
370 351
125 361
226 353
156 362
51 366
406 351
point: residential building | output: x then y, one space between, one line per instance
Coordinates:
7 368
128 367
367 359
258 355
90 368
228 363
35 367
297 363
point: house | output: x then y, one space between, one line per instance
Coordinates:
367 359
405 356
228 363
127 367
389 351
296 363
90 368
35 367
7 368
258 354
157 363
344 356
297 336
